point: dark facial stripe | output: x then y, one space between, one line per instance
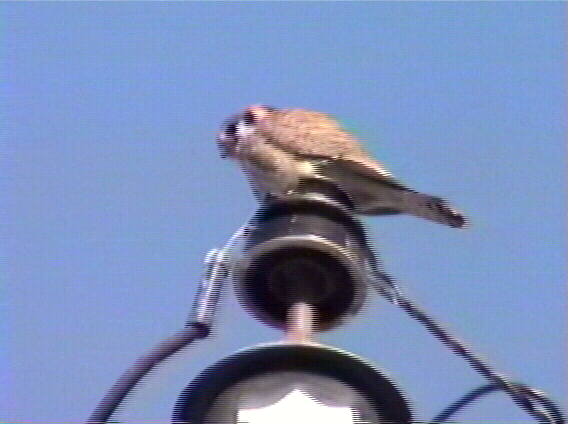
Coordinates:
248 118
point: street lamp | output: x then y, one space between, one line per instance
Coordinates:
304 268
300 382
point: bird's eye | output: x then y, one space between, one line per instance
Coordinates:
248 117
231 129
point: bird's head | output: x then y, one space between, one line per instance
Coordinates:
240 126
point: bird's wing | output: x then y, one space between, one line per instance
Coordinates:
303 132
359 169
373 192
315 135
341 159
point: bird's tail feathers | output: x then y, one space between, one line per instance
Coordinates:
376 194
432 208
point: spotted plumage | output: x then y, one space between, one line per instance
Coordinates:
277 148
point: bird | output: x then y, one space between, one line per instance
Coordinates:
280 148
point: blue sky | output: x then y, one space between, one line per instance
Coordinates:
115 191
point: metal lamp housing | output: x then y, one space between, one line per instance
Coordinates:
305 247
259 376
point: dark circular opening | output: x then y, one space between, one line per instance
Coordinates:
278 279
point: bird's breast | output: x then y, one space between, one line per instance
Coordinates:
271 169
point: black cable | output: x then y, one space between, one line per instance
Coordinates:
450 410
208 296
198 327
386 287
141 367
453 408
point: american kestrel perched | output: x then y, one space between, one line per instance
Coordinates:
278 148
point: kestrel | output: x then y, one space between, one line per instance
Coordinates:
278 148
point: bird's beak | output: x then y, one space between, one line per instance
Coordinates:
223 145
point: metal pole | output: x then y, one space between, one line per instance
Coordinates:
300 323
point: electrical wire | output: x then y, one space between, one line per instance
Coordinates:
198 327
478 392
522 395
116 394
